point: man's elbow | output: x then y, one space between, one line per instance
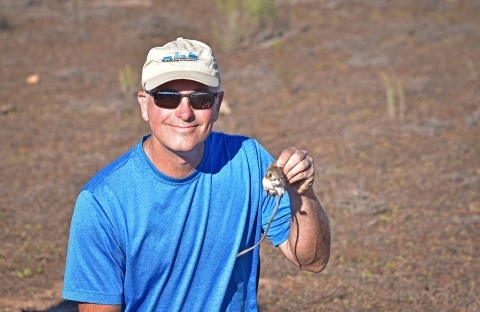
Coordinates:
316 267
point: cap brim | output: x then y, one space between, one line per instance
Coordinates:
201 77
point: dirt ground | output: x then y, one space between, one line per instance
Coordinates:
385 95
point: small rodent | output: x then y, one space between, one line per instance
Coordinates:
274 185
274 181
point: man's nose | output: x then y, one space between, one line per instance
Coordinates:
184 111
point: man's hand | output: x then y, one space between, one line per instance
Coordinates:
298 168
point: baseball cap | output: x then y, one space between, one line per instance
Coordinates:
180 59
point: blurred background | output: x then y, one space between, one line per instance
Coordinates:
385 95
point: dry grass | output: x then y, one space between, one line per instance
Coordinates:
402 193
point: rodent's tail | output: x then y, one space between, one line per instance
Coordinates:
264 234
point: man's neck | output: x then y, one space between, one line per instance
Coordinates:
172 163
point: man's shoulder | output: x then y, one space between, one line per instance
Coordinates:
233 147
227 136
232 140
114 170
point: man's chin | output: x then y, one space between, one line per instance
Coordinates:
185 147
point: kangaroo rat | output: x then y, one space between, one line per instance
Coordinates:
274 185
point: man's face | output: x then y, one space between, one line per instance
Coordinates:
182 129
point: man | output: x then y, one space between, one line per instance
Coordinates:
159 229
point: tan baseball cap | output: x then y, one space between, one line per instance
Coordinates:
180 59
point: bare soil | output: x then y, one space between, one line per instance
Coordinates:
401 183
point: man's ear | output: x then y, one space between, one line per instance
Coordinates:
143 101
219 103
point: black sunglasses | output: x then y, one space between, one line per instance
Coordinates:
171 100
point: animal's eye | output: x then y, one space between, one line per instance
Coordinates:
269 174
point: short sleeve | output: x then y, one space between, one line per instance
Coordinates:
95 264
280 227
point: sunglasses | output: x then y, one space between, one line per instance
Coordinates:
171 100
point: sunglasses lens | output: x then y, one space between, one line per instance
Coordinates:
202 100
167 100
171 100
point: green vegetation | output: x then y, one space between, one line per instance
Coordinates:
27 272
392 95
244 22
128 80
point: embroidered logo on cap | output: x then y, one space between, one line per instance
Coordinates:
179 57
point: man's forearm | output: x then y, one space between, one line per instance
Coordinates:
308 245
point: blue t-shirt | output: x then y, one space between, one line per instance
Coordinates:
155 243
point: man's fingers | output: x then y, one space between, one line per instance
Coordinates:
301 171
296 164
298 168
290 158
285 156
